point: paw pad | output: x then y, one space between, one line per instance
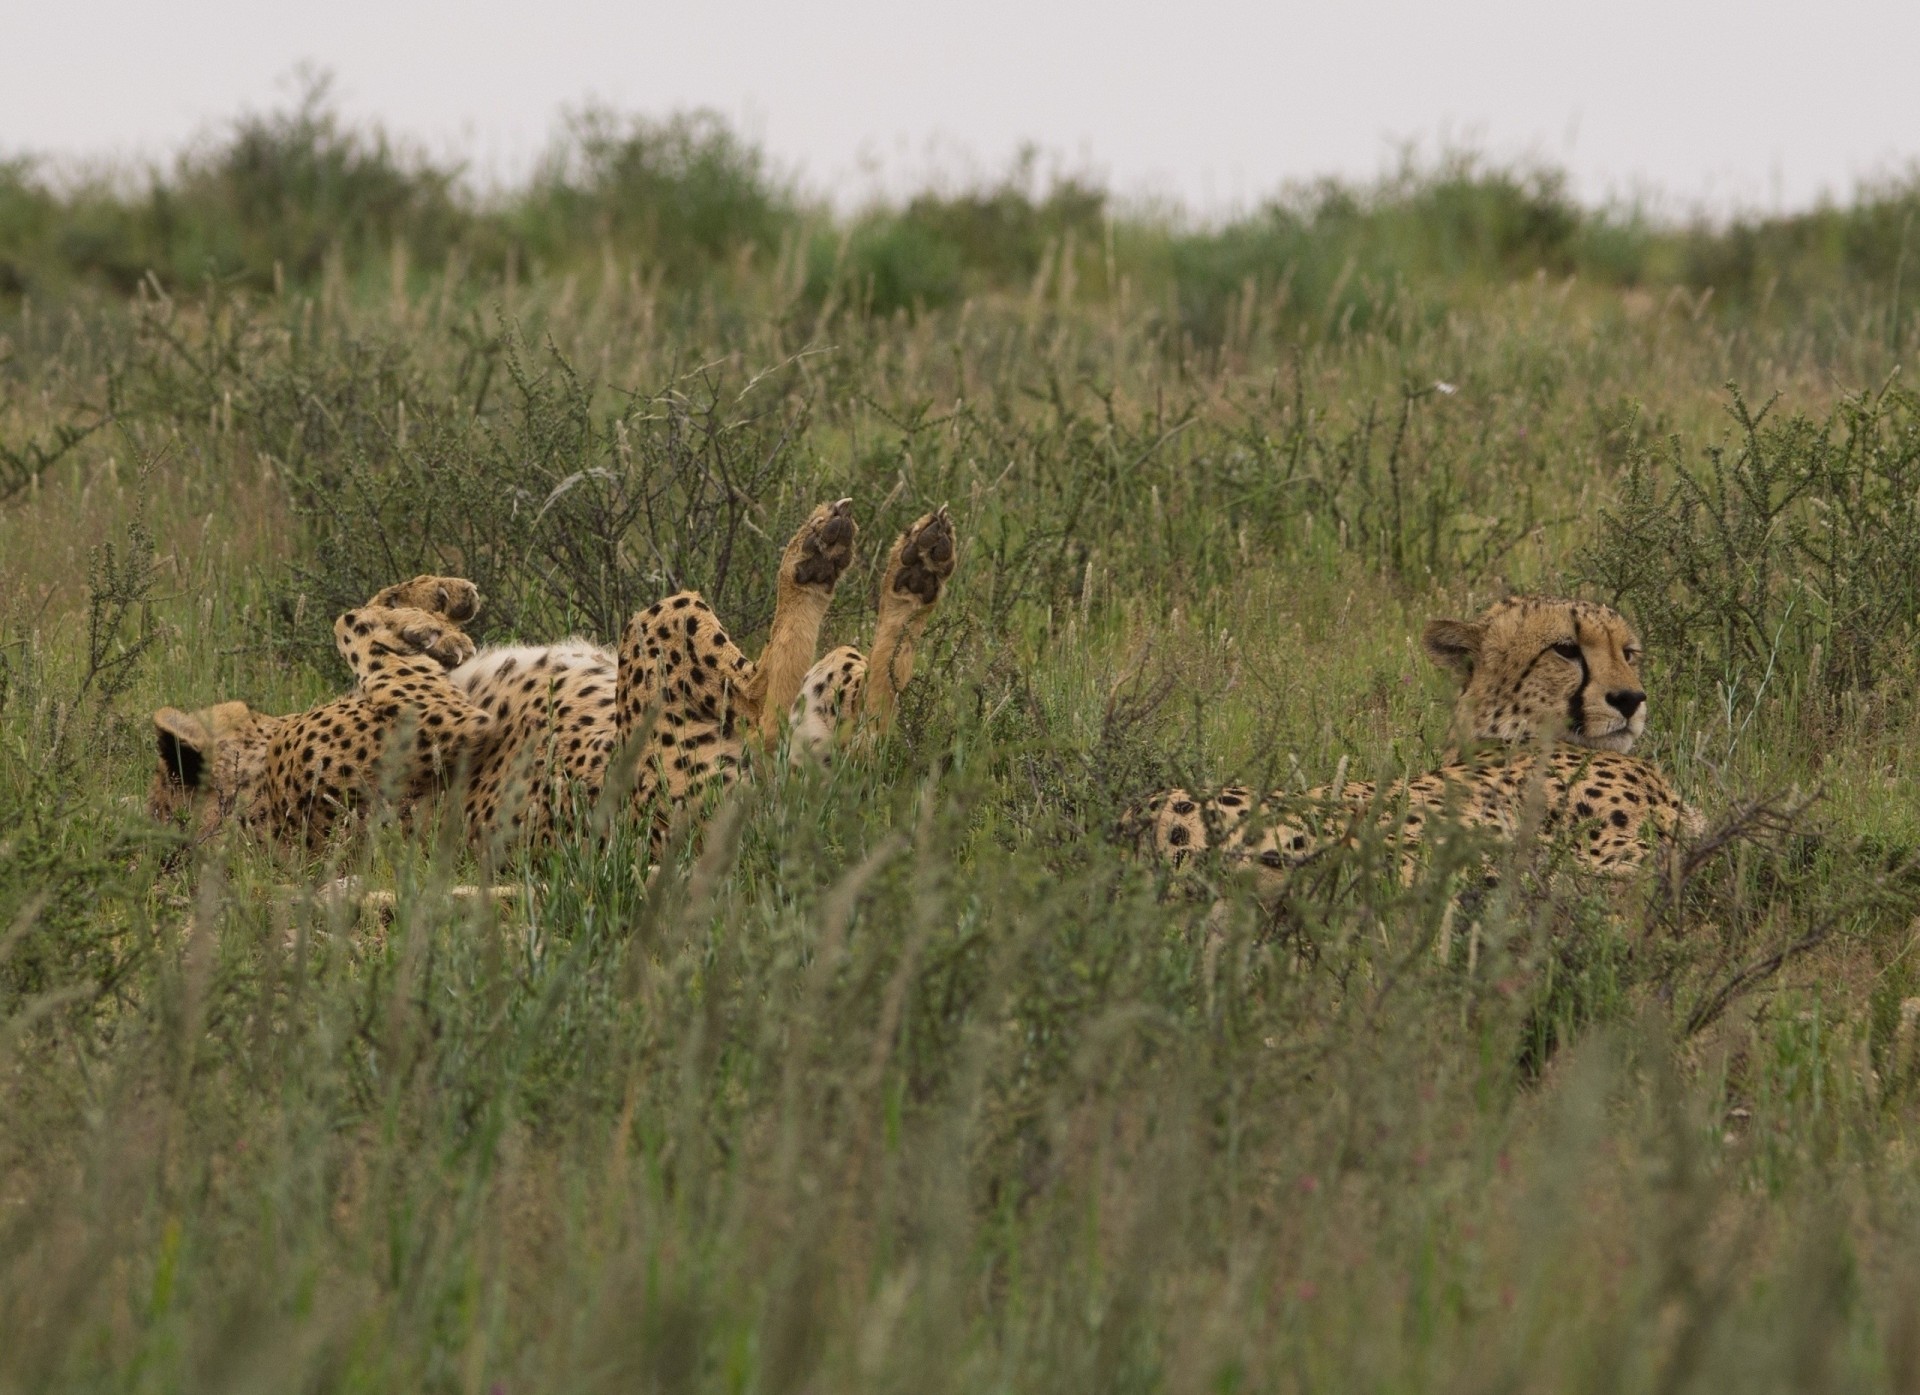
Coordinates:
459 600
826 546
926 557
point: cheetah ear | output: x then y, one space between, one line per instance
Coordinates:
1454 644
183 744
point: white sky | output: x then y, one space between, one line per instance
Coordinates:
1704 103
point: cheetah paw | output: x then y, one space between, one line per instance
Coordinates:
823 548
453 597
923 559
424 633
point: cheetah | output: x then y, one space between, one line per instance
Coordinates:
295 778
1550 705
531 737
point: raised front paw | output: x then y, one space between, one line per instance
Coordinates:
414 631
823 548
366 637
923 558
449 647
453 597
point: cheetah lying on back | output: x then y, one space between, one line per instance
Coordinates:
1551 703
537 733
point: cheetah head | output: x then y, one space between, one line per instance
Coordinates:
211 762
1534 668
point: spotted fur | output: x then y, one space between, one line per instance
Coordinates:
1551 703
404 728
535 733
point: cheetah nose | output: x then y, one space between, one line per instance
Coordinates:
1626 702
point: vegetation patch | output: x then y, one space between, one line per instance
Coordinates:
905 1074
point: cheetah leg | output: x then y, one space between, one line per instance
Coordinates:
922 560
352 893
381 640
402 644
678 708
843 686
810 568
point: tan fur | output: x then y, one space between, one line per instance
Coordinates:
213 764
809 567
1536 669
533 731
848 694
403 728
1550 704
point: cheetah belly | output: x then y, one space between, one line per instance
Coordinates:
829 695
553 733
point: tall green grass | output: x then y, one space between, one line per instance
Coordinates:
904 1076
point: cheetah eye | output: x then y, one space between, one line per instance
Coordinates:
1632 655
1567 649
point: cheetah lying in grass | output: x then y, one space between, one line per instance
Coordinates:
535 735
1550 705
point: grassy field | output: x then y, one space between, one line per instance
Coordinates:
906 1076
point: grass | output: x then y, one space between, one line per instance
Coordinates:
905 1076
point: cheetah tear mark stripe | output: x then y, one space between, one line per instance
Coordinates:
1577 704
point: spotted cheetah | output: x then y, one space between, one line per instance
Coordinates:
538 733
1550 705
403 727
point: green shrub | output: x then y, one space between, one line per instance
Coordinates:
1792 551
685 201
886 265
682 196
